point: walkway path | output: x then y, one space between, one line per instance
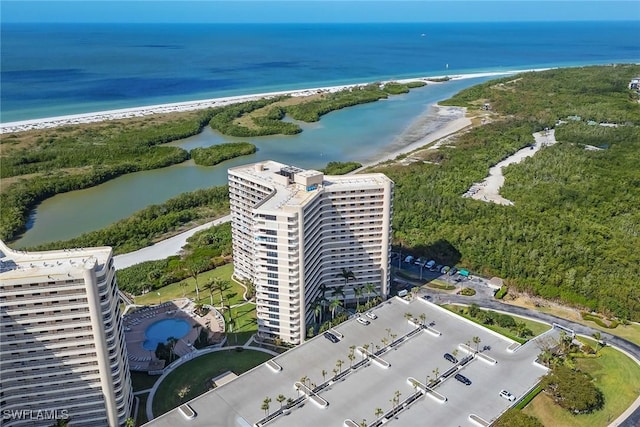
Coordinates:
489 189
163 249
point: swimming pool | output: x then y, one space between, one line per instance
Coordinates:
161 330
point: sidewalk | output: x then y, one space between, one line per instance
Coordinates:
163 249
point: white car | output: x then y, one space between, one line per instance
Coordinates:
506 395
371 315
363 320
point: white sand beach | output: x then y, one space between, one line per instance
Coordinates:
124 113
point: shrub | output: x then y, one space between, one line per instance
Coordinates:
468 292
594 318
215 154
501 292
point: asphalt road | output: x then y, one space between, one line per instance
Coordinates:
484 298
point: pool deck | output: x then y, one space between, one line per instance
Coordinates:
137 322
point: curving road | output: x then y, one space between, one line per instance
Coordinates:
484 298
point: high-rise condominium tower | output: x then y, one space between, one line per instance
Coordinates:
303 238
62 347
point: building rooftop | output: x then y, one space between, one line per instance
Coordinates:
355 394
15 264
289 194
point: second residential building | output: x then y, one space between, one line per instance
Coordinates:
304 238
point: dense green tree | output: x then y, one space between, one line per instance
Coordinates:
572 390
514 417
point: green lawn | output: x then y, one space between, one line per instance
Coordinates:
142 381
615 374
629 332
246 324
198 373
536 327
174 290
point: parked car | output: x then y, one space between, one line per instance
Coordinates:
464 380
445 269
371 315
328 335
419 261
450 358
453 271
437 268
430 264
506 395
363 321
408 259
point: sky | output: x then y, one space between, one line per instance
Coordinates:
315 11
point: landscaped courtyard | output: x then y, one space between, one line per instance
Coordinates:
196 376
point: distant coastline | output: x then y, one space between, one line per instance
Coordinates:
99 116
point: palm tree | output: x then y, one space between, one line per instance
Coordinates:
339 365
357 291
171 343
408 316
129 422
193 267
222 286
436 373
210 286
324 375
231 324
281 399
303 380
323 291
363 423
346 275
369 289
338 291
366 351
423 318
317 311
265 405
597 336
476 341
351 357
183 392
335 303
183 285
378 412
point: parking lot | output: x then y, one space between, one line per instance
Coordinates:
382 380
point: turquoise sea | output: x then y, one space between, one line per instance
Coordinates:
56 69
52 70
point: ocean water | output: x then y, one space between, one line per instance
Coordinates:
56 69
52 70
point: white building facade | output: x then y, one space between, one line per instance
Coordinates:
296 232
62 346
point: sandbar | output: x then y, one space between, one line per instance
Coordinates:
74 119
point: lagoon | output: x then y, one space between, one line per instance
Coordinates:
361 133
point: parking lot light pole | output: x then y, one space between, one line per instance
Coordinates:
421 266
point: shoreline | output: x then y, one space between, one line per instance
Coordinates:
124 113
173 245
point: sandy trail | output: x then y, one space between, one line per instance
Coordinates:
489 189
